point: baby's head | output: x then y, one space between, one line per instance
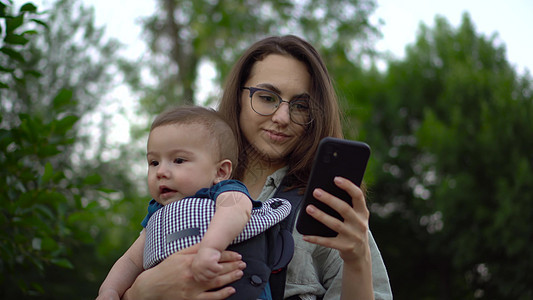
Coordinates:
189 148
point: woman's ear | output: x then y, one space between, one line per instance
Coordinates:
223 170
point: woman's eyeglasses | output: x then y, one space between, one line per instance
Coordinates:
266 103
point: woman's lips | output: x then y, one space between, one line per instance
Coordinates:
276 136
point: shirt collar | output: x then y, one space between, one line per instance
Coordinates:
272 183
278 176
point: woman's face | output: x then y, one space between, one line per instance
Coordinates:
276 135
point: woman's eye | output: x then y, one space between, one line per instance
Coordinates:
179 160
300 105
267 98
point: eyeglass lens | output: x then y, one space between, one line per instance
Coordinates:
266 103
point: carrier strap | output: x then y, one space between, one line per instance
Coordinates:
278 277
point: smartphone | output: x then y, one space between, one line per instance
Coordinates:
334 157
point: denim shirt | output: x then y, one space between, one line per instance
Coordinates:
316 271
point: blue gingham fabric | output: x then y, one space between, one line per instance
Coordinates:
183 223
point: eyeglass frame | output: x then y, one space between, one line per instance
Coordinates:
252 91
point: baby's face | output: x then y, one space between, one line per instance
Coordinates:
181 160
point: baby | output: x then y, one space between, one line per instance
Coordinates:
191 152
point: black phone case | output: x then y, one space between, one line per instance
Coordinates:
335 157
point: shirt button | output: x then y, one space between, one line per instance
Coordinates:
256 280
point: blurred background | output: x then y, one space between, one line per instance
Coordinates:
445 106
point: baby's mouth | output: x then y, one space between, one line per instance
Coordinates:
165 190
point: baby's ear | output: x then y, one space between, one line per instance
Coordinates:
223 170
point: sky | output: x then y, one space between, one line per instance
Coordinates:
511 19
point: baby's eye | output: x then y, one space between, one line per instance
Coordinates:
179 161
153 163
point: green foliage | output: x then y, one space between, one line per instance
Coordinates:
52 209
69 55
451 133
39 203
51 219
14 37
449 127
182 34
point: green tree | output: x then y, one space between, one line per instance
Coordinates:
54 212
451 132
183 33
71 54
40 204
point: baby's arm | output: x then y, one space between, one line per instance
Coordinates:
124 271
233 210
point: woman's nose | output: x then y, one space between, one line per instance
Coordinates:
282 114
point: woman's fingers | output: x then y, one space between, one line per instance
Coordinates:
229 256
346 210
358 198
352 232
184 286
219 281
328 220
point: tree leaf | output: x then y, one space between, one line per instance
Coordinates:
65 124
62 98
106 190
28 7
38 287
49 244
13 23
48 151
44 211
6 138
62 262
15 39
6 70
40 23
92 179
31 32
48 173
12 54
34 73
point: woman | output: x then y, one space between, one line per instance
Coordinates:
280 101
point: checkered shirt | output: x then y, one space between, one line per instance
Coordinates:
183 223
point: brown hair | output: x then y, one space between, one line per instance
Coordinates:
323 103
221 134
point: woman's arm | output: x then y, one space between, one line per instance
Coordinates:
233 210
172 278
351 241
124 271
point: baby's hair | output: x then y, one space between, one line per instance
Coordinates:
220 133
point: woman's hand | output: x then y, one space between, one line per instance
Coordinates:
173 278
352 238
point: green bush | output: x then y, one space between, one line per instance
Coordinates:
46 208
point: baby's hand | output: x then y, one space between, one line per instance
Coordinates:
205 265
